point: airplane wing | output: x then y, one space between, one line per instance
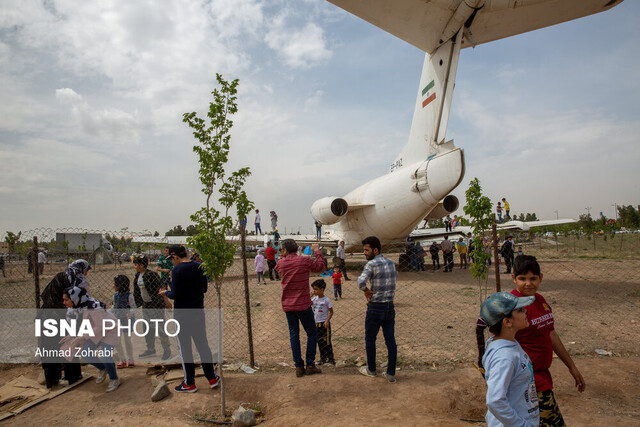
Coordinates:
434 233
167 240
426 24
300 239
525 226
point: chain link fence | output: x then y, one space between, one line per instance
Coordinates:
591 282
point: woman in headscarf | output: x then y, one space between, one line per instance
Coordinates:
76 272
52 305
81 306
274 220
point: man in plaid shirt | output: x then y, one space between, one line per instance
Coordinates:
381 273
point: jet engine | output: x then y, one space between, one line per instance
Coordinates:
444 208
329 210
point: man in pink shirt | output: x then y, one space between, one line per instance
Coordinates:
296 301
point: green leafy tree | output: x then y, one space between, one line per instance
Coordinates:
478 208
628 216
12 239
531 217
156 234
192 230
214 221
176 231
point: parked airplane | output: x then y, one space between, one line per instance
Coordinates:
429 167
431 234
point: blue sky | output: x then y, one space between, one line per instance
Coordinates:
91 132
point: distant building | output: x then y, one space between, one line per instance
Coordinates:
81 242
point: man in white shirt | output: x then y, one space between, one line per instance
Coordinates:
341 260
42 258
257 222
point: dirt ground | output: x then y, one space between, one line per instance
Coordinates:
339 396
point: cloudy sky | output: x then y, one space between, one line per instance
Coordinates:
93 93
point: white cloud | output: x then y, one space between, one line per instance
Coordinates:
299 47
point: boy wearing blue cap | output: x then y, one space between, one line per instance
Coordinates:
511 390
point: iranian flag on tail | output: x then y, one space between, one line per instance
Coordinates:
428 93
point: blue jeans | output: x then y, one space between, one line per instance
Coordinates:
381 316
309 324
258 229
102 363
413 261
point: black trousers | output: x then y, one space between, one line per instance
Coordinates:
324 343
448 261
194 328
272 266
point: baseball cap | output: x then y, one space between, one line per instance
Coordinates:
498 305
178 251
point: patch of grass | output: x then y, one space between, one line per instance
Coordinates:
466 292
351 339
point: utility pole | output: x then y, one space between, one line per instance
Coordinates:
588 209
615 206
557 217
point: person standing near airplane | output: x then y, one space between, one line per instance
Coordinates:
257 222
274 220
507 209
447 254
447 224
270 252
296 302
499 212
381 274
342 266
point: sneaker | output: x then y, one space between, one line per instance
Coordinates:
101 376
364 370
214 382
113 384
131 364
330 364
390 378
121 365
312 370
299 371
166 354
147 353
183 388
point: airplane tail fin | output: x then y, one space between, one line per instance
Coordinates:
431 113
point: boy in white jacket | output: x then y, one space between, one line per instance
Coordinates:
511 389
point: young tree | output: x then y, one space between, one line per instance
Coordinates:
478 208
12 239
214 220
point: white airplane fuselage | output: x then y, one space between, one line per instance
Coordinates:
396 202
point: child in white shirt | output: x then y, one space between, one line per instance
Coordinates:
323 312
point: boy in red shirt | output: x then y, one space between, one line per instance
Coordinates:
540 340
337 283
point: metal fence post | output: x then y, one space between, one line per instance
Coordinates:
494 240
36 270
246 293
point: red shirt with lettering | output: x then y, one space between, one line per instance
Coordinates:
295 270
535 340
